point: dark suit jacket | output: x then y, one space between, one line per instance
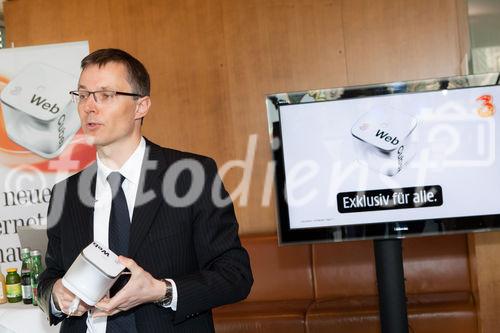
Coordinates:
196 245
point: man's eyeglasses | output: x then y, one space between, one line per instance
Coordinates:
100 97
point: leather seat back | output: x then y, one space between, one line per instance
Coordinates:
280 273
431 264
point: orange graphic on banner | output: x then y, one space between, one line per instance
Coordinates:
487 109
77 155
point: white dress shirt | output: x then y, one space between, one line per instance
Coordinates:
131 170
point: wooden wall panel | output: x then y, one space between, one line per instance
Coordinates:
275 46
213 62
400 40
463 35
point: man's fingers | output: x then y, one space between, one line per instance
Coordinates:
129 263
101 313
120 302
60 289
83 307
101 305
67 303
62 297
75 313
127 297
110 304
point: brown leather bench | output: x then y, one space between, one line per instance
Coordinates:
438 287
281 294
332 288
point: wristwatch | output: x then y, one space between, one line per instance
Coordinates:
167 298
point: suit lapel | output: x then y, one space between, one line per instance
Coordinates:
149 196
84 213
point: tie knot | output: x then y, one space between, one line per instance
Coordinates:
115 180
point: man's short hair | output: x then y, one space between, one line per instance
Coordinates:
138 76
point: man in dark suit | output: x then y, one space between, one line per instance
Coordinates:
164 211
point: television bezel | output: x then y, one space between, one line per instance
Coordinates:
368 231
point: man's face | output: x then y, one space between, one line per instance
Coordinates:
115 120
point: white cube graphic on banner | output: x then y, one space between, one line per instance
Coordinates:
37 109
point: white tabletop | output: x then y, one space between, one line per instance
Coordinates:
24 318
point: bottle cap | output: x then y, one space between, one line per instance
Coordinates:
35 253
11 270
25 250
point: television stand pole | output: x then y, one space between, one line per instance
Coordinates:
391 285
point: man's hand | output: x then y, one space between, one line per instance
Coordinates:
141 288
62 298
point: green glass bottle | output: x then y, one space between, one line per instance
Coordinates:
26 276
13 286
36 270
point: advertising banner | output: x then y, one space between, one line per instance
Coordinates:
402 157
40 136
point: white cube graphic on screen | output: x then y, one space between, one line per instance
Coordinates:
37 109
382 139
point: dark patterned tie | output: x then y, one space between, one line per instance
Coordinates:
119 233
119 221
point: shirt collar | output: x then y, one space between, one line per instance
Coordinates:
131 169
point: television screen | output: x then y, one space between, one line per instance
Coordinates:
388 160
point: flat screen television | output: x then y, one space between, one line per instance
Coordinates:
387 160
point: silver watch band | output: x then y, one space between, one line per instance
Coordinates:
166 300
